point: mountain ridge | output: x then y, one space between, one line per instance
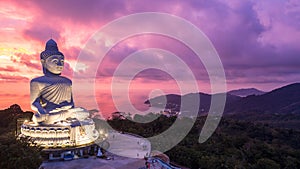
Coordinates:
244 92
284 99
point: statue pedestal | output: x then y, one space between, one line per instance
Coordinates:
63 134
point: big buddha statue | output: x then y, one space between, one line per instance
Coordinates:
51 94
56 122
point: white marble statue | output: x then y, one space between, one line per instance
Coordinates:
51 94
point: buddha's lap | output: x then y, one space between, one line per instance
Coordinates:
77 112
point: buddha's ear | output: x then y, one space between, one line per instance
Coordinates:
42 61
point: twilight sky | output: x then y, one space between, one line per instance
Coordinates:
257 41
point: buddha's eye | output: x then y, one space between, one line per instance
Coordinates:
54 61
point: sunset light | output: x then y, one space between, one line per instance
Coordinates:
149 84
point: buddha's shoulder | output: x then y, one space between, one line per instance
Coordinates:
65 79
45 79
38 79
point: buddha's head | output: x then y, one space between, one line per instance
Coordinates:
52 59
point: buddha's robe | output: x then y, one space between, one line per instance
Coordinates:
52 93
52 98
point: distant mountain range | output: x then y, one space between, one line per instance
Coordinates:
172 102
282 100
246 92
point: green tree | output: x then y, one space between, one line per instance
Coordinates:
18 154
265 163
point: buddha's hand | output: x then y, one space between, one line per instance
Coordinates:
39 117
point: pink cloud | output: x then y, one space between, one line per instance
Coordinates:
9 69
41 33
258 41
11 78
25 59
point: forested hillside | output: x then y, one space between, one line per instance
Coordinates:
16 153
234 144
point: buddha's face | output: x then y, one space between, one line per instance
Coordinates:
54 64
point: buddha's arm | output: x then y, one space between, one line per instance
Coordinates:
34 97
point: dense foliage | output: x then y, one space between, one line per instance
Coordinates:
16 153
234 144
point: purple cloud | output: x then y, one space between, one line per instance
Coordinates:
256 40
